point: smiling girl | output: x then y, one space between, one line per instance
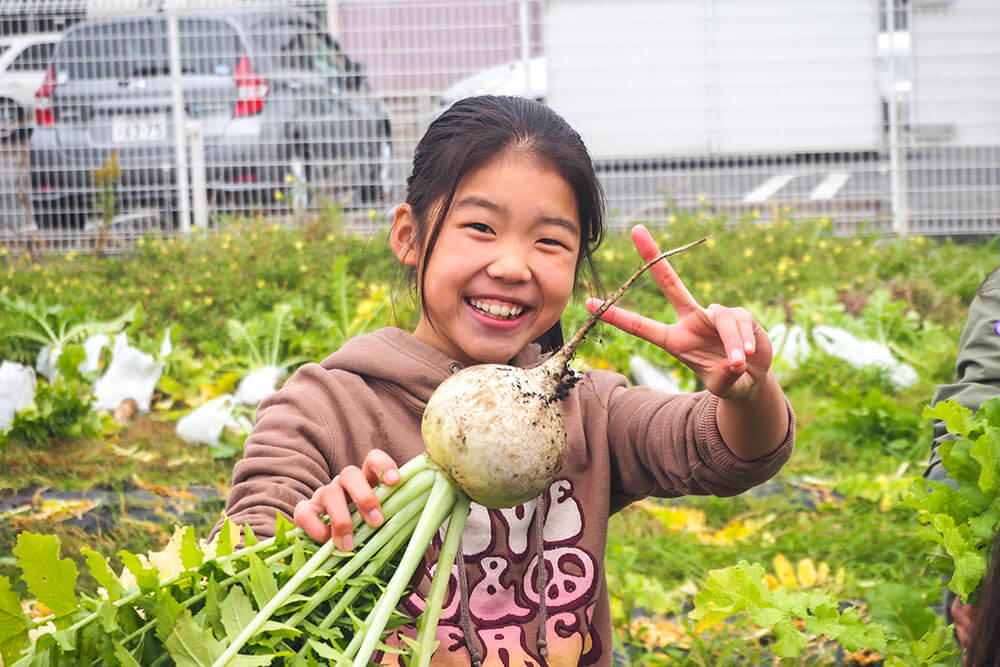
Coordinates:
503 210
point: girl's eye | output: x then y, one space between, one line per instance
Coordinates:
553 242
480 227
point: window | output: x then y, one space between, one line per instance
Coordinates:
34 58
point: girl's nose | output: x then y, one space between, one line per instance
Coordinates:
509 266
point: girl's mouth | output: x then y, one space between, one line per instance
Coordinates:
496 310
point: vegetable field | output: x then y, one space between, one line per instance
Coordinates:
829 563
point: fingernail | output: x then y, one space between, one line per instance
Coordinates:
391 476
375 518
736 356
347 543
748 346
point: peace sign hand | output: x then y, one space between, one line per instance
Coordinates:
726 347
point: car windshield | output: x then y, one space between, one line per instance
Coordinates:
138 48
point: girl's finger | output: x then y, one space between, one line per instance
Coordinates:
631 323
666 278
332 501
380 468
728 329
360 491
306 517
745 321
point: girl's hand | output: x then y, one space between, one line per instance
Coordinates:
726 347
352 484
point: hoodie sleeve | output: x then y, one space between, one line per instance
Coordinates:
669 445
286 457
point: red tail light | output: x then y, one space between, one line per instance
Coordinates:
250 90
43 98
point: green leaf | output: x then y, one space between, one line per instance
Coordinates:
281 527
237 612
51 579
986 451
957 418
324 650
790 640
148 578
970 564
903 609
191 556
249 539
262 583
193 646
224 540
13 620
123 657
167 610
102 573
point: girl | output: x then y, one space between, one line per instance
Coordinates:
503 208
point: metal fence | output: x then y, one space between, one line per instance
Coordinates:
127 117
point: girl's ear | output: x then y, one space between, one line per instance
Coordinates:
403 235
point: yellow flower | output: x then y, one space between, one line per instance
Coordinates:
701 196
303 268
3 251
372 213
261 284
208 301
329 238
299 245
755 213
289 178
279 195
672 218
366 307
710 242
748 252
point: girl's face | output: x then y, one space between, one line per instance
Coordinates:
503 268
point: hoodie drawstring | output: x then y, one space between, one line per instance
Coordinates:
463 595
543 647
541 581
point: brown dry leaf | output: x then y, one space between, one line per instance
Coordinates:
657 634
161 490
865 656
35 609
135 453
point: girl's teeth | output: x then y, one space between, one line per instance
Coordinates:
497 310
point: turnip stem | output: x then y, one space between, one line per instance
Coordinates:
566 351
373 547
426 643
275 602
320 558
439 506
374 565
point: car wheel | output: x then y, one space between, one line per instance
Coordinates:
11 119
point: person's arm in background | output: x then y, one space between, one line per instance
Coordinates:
977 378
977 370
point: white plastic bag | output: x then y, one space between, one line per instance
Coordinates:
648 375
17 391
205 423
131 374
46 362
789 343
258 385
860 353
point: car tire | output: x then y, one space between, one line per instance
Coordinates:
11 119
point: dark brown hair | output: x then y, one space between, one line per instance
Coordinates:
474 131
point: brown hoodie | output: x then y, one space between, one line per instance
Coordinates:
623 444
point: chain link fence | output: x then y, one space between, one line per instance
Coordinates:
120 118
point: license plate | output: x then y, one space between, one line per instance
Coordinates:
129 129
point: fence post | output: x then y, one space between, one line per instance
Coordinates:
180 139
199 187
897 152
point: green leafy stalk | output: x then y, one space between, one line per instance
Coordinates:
439 506
426 643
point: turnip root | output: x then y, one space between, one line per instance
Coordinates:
497 430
